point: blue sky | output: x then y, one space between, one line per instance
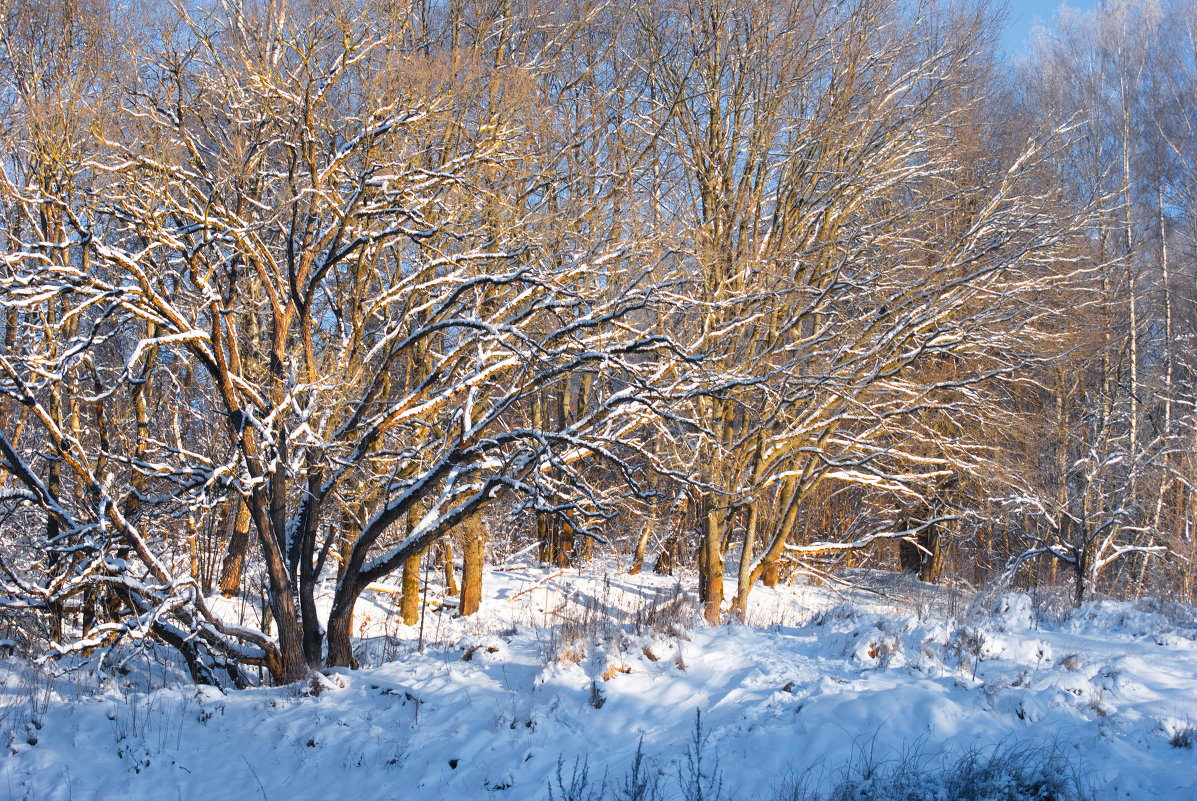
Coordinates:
1024 14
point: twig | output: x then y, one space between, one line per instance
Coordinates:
261 789
538 584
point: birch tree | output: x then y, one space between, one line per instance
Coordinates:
1118 422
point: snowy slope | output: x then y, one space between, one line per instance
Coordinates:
577 671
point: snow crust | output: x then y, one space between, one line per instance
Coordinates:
568 668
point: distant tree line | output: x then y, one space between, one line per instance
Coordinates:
298 297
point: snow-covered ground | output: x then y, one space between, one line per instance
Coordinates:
566 673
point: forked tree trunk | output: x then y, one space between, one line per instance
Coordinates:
473 555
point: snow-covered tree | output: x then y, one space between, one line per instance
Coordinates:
312 273
857 263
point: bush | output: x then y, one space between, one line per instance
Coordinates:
1009 772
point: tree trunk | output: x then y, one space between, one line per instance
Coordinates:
554 535
581 546
710 569
193 554
670 555
313 634
234 557
769 576
1082 570
932 564
446 553
1132 290
642 545
409 604
344 550
744 574
473 555
340 629
910 559
289 665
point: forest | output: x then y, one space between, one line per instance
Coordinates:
300 299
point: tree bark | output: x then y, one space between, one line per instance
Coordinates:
409 604
340 629
1081 575
744 576
710 568
290 664
234 557
932 564
642 545
770 574
669 556
446 553
473 555
554 540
